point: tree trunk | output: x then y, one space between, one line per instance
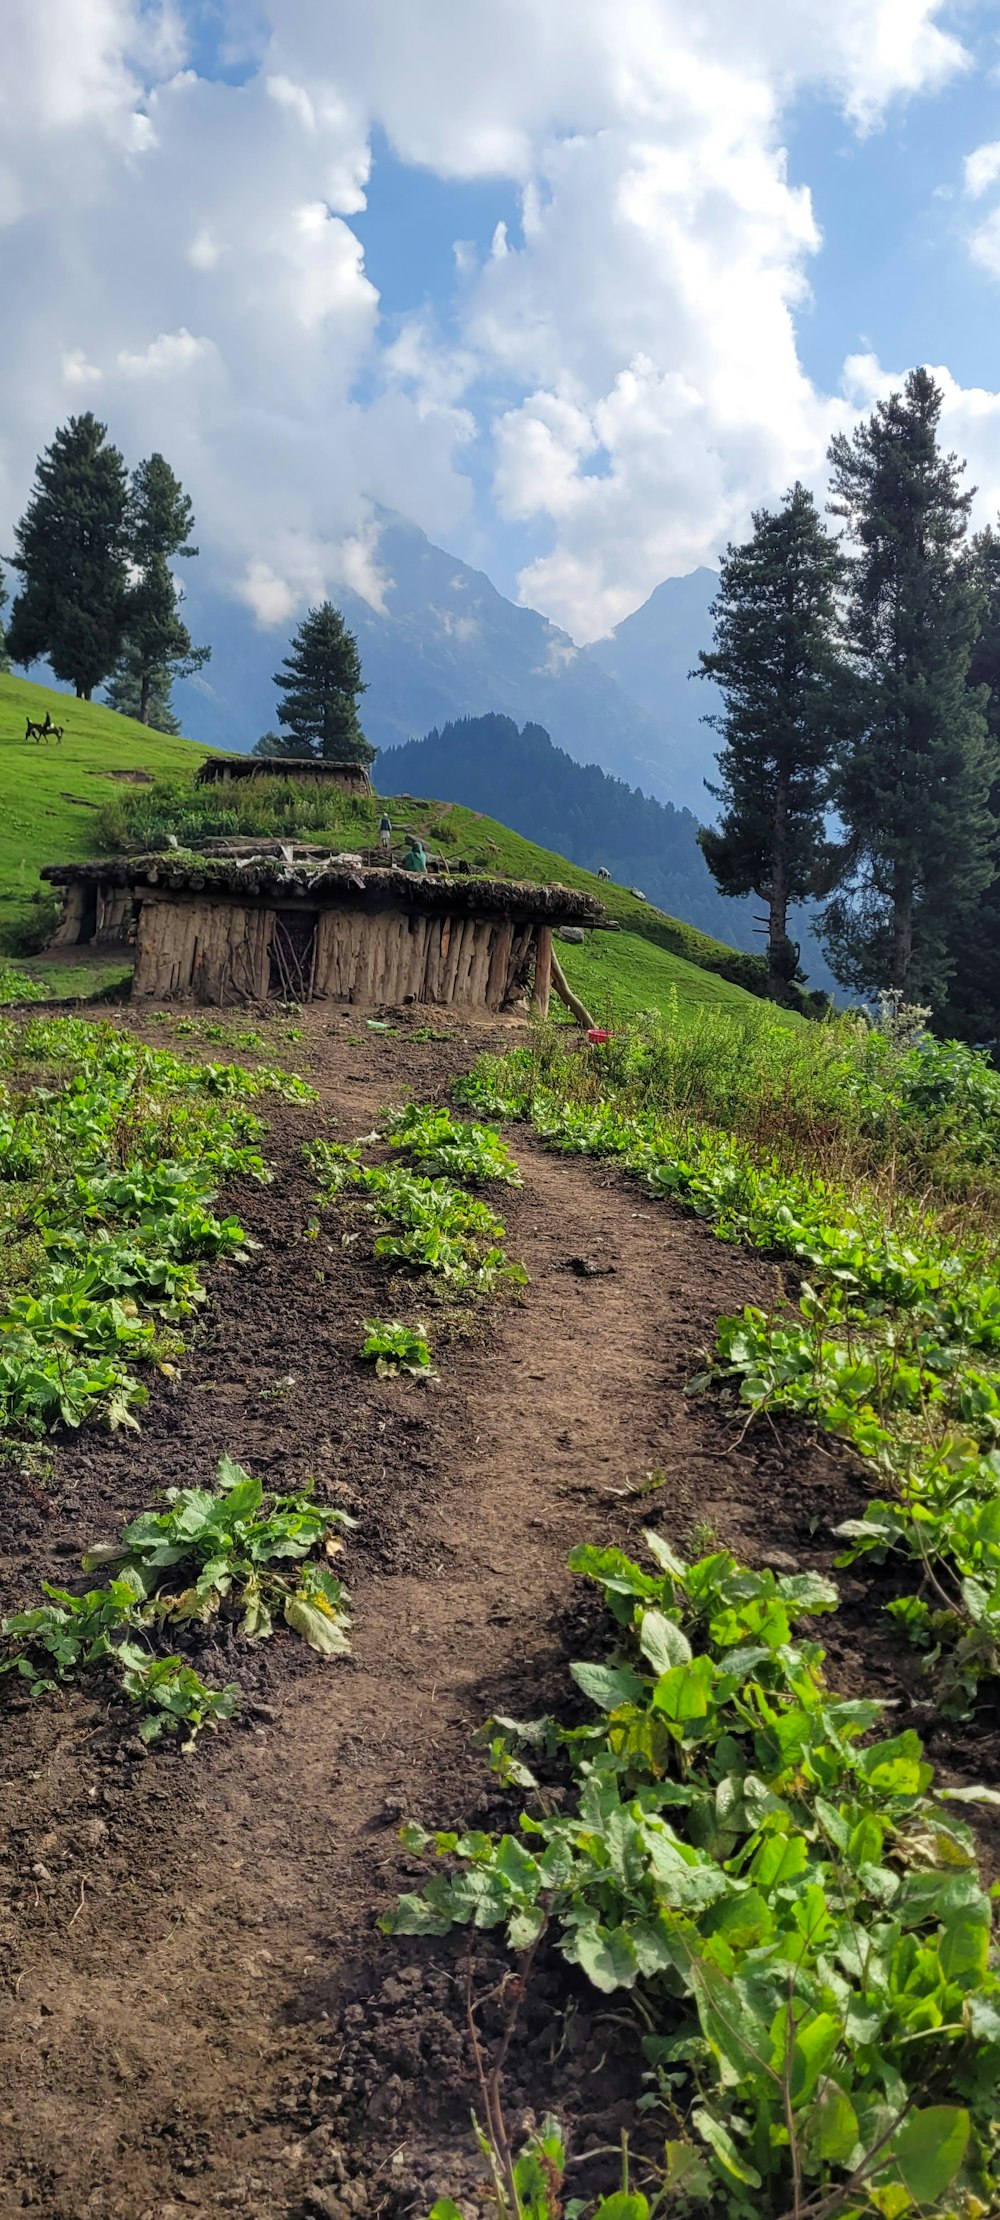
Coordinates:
777 905
83 693
144 685
902 933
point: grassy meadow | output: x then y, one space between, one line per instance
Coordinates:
74 800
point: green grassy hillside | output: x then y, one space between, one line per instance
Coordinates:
65 801
50 795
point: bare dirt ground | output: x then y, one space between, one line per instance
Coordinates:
197 2015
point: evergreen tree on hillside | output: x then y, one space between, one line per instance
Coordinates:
72 555
160 524
4 657
321 683
973 1006
783 693
133 686
914 782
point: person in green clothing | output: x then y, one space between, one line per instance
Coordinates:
415 858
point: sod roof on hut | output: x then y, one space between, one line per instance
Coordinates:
278 767
270 878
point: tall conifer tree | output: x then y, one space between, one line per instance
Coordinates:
4 657
914 782
973 1006
161 521
72 554
321 684
782 688
133 686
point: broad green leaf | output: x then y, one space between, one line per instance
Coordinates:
317 1628
683 1693
833 2124
666 1557
445 2209
608 1686
517 1865
929 2149
623 2205
524 1926
815 2043
661 1640
607 1956
721 2142
808 1592
897 1765
891 2200
684 2168
965 1944
983 2015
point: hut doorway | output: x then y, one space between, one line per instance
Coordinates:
88 913
292 955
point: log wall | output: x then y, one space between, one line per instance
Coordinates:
214 951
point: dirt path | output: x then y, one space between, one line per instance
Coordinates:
179 1936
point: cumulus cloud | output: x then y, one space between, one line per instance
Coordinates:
619 370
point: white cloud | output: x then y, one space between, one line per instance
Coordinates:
982 168
624 359
271 598
77 371
167 356
984 244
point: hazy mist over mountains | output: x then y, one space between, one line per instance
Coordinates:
447 644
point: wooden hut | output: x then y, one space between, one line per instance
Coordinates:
347 778
302 928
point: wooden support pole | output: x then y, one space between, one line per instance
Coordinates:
566 994
543 970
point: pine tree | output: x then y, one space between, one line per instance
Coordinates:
973 1006
321 682
783 692
133 686
72 550
914 781
161 521
4 657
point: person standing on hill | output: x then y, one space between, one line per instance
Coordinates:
385 832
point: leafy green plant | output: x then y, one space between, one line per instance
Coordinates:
797 1910
209 1550
393 1348
447 1145
222 1545
110 1154
897 1329
454 1237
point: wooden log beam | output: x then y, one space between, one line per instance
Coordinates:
566 994
543 970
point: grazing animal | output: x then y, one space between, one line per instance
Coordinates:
637 892
603 874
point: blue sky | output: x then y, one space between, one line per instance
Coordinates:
574 287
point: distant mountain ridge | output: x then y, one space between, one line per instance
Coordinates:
577 809
652 656
446 645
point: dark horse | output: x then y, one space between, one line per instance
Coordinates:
44 731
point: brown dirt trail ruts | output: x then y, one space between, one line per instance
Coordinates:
177 1932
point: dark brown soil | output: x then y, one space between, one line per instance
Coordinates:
197 2014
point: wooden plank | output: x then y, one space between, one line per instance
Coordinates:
480 965
543 969
502 937
432 966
